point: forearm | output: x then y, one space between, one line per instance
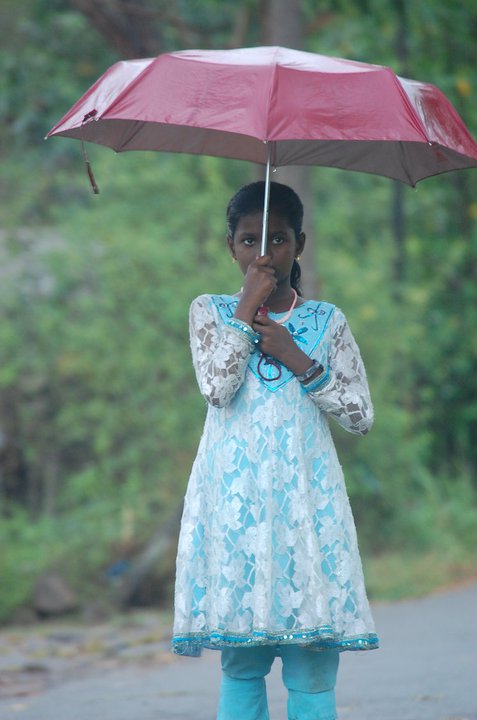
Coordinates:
342 390
348 402
297 361
246 311
220 357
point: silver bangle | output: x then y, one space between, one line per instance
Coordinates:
320 381
245 329
311 371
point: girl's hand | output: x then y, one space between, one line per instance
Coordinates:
275 339
278 343
259 283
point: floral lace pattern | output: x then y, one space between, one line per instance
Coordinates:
268 550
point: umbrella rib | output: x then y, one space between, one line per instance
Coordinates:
402 151
271 91
418 123
135 81
135 130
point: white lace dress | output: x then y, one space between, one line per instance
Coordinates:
267 550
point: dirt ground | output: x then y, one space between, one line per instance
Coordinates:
426 669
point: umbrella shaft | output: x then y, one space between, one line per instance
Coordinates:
266 198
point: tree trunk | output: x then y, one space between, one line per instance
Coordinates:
398 223
159 547
131 28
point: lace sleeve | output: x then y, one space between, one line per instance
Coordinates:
220 353
345 395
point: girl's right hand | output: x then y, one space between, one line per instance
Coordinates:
259 283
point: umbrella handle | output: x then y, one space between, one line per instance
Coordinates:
266 201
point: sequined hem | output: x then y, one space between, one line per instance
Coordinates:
320 639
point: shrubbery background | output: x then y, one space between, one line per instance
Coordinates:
99 411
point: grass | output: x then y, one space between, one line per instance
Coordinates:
397 576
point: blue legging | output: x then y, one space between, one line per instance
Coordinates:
309 677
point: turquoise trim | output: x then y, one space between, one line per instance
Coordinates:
322 638
245 330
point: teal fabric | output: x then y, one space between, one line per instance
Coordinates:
242 699
309 676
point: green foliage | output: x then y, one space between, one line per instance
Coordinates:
103 333
95 364
81 543
37 75
99 410
30 550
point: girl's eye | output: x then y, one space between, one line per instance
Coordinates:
277 240
249 241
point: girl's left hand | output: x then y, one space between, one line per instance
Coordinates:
276 340
278 343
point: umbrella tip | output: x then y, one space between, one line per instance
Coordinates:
89 115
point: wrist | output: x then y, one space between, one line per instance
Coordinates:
246 311
296 360
318 382
314 371
245 331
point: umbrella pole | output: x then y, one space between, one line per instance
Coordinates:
263 249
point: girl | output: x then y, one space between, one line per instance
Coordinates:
268 562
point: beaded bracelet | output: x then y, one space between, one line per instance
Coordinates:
311 371
318 382
244 328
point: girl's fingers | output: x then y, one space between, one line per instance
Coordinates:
262 264
263 260
263 320
263 269
260 280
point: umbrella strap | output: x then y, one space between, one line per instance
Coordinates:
89 169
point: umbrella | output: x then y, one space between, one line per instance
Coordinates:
274 106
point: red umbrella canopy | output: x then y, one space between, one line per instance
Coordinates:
307 109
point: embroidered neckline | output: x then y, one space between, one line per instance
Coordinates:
306 325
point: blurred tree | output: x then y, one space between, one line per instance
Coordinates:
284 25
99 413
140 28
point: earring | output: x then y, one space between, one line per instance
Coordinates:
298 257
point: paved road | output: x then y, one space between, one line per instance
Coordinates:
426 669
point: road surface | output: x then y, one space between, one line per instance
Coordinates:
426 669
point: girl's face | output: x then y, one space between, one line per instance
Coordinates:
282 244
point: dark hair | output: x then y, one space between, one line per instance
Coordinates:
283 200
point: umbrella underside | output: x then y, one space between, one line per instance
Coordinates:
406 161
